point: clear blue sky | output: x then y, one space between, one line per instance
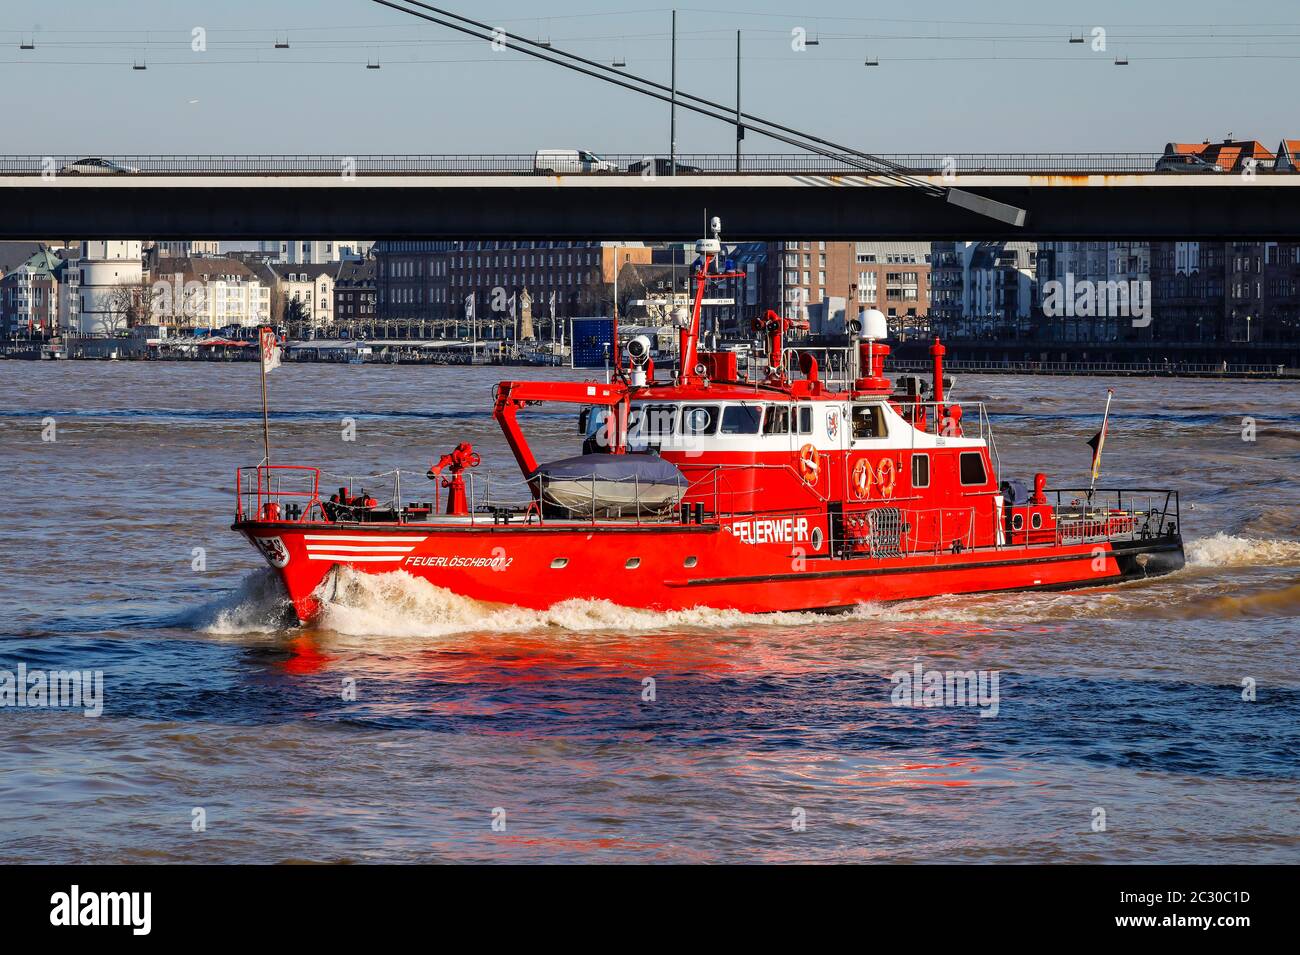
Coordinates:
954 76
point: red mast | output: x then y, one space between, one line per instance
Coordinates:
688 342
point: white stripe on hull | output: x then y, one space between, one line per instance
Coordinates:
365 538
361 548
354 558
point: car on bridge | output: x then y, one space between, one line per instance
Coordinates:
94 166
1186 163
570 161
661 167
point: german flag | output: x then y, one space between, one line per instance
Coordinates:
1098 440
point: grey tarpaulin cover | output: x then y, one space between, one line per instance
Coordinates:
611 485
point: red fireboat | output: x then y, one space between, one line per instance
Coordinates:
788 489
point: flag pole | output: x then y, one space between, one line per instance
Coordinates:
266 421
1101 441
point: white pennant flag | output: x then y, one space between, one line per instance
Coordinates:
270 350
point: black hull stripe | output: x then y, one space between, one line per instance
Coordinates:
931 568
1028 588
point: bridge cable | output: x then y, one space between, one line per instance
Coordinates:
814 144
882 166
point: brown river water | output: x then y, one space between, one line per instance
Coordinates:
1119 733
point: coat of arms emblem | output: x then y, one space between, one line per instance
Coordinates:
277 555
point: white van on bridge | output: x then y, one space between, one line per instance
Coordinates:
570 161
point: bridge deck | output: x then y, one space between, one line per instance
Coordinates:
754 205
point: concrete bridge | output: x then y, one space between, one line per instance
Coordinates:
1065 196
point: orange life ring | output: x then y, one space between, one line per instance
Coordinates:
862 478
885 476
810 464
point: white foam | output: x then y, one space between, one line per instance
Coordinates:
399 604
1228 550
259 605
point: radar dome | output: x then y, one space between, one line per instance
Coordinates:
874 325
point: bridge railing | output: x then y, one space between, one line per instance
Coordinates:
443 164
1148 368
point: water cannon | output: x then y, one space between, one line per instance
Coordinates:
461 458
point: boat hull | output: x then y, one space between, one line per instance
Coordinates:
681 566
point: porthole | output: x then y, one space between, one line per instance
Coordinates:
1036 520
816 538
1017 522
633 563
690 561
559 562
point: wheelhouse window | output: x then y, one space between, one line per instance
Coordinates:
700 419
777 420
805 419
592 420
920 470
972 468
652 421
742 419
869 422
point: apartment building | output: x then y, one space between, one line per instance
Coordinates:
411 293
1262 289
354 296
207 292
30 296
567 279
314 251
984 290
1104 265
447 288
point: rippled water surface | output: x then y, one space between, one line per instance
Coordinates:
1126 699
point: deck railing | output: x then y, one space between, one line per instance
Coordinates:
289 493
1084 514
277 492
305 494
